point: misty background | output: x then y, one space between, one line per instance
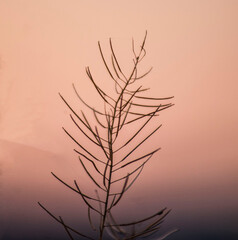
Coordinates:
192 47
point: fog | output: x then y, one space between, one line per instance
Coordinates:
192 47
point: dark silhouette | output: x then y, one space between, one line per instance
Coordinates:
119 166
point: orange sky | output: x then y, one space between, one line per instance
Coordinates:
192 46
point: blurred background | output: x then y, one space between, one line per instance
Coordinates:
191 45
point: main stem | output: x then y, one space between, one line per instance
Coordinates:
110 143
110 162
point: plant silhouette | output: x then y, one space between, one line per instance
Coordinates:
121 164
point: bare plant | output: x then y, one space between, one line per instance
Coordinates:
125 107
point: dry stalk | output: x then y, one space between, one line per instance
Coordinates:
128 107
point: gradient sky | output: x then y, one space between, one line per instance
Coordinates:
192 45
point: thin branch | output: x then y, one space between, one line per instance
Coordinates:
140 129
139 144
117 63
101 93
83 147
83 131
68 227
135 170
90 220
100 143
87 105
158 99
84 195
84 199
122 191
100 208
98 121
138 174
142 220
145 74
67 185
86 170
104 61
90 160
135 160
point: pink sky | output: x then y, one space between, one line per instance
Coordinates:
192 46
